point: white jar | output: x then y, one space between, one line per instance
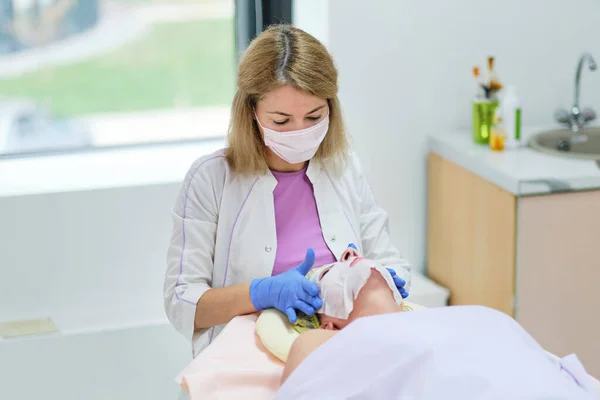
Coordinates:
511 118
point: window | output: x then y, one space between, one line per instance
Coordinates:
80 74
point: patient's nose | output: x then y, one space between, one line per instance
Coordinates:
345 255
348 254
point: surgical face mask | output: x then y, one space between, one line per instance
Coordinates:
340 283
296 146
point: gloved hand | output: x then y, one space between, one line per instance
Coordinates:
289 291
399 283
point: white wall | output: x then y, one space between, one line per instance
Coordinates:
312 16
138 362
88 252
405 72
94 262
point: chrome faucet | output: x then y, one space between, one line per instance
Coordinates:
577 118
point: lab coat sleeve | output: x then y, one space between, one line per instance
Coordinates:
374 232
191 251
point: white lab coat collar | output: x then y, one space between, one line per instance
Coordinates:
315 167
314 171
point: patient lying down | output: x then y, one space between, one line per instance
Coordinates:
450 352
340 284
377 296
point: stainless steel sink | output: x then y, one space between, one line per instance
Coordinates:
584 144
577 139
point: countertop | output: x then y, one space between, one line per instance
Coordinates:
522 171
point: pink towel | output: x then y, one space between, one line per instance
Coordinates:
236 365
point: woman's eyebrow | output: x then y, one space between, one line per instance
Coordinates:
279 112
316 109
288 115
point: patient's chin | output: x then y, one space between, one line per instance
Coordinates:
375 282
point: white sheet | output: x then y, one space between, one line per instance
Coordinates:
466 352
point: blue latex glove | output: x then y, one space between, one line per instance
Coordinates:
399 283
289 291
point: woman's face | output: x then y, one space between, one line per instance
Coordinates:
325 276
288 109
342 279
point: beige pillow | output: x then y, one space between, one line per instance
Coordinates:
277 333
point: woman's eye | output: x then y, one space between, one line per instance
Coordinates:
324 273
314 118
280 122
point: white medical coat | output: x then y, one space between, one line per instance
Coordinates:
224 232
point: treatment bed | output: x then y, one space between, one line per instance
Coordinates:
238 364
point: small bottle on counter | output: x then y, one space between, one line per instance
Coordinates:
497 133
511 117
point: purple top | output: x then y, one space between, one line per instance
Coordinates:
297 222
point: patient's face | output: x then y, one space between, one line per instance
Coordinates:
346 287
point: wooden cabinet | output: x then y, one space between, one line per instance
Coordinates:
535 258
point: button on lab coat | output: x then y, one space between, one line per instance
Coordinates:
224 232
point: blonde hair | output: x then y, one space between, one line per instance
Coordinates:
283 55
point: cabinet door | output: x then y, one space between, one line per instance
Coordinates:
471 236
558 273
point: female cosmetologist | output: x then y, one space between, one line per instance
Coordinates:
286 195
